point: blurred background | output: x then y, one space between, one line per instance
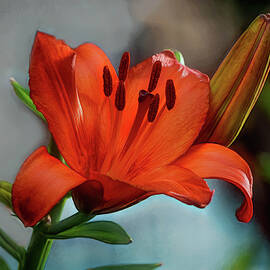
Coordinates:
163 230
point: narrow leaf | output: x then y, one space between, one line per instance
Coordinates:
5 186
5 193
128 267
23 95
9 245
104 231
237 84
69 222
3 264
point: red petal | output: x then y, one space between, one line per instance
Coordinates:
54 93
104 195
40 184
218 162
67 87
177 182
172 132
96 107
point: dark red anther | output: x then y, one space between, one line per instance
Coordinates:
143 95
170 94
155 74
153 109
120 96
123 67
107 81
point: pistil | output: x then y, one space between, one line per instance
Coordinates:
144 100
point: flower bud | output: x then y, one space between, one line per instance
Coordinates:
237 84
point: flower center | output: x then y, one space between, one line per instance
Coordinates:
148 103
120 95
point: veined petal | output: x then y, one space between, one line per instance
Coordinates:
237 84
67 87
40 184
174 181
53 91
97 109
173 131
214 161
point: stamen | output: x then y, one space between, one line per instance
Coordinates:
120 96
107 81
153 109
145 99
155 74
170 94
124 65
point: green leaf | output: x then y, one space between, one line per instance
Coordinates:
23 95
128 267
104 231
3 264
5 185
68 223
179 56
10 246
5 193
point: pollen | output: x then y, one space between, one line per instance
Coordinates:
153 109
155 74
170 94
120 96
107 81
124 66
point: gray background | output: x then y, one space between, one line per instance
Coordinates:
163 230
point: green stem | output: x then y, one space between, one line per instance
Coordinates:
37 252
11 247
69 222
40 246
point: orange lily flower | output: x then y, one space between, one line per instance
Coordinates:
124 137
